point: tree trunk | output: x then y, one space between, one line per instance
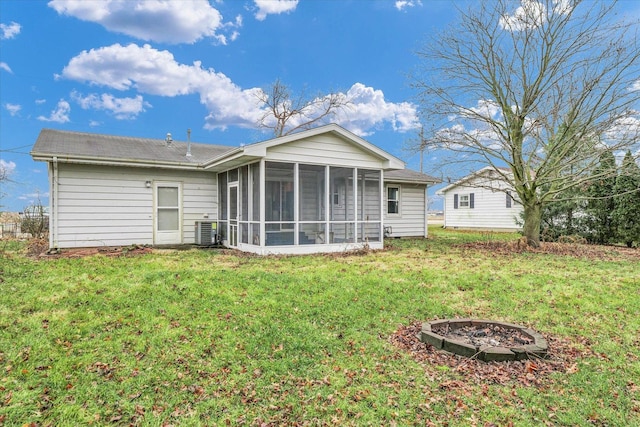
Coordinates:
532 219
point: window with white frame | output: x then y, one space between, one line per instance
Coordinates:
463 201
393 200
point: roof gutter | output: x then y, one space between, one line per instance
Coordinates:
411 181
217 161
114 161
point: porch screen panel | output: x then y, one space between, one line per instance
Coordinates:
369 197
222 205
279 203
254 177
244 204
369 232
341 182
369 205
342 205
222 196
311 205
255 191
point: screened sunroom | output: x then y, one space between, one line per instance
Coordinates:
291 207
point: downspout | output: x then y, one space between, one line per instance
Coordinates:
444 210
263 205
382 204
354 191
53 207
426 210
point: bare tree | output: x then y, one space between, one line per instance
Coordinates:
541 87
286 113
419 144
5 172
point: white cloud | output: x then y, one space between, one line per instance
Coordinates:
532 14
562 6
37 198
13 109
5 66
274 7
185 21
7 168
40 101
94 123
485 108
404 4
60 114
368 109
154 72
9 31
624 129
121 108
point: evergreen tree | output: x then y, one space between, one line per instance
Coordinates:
561 217
627 201
599 220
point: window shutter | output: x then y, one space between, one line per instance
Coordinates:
471 201
455 201
508 199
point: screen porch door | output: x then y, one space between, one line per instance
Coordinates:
233 215
168 213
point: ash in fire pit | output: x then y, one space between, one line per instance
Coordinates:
485 339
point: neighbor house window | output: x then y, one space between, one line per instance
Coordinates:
463 201
508 199
393 200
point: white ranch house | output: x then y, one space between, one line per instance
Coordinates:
482 200
320 190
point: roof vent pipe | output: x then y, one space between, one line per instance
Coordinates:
188 142
168 139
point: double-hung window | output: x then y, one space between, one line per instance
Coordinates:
463 201
393 200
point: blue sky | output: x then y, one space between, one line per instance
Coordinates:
145 69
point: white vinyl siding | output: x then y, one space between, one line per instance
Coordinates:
490 211
111 206
410 222
324 149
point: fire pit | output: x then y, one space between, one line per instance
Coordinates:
486 340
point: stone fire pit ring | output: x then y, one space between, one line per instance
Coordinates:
442 335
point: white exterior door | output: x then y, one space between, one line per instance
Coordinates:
168 213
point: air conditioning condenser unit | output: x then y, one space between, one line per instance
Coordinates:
206 233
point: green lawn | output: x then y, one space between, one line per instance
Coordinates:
209 337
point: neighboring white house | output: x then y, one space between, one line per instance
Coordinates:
482 200
320 190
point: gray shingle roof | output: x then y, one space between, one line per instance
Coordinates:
99 147
67 144
409 176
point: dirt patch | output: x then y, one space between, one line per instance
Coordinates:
561 357
109 251
37 247
593 252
